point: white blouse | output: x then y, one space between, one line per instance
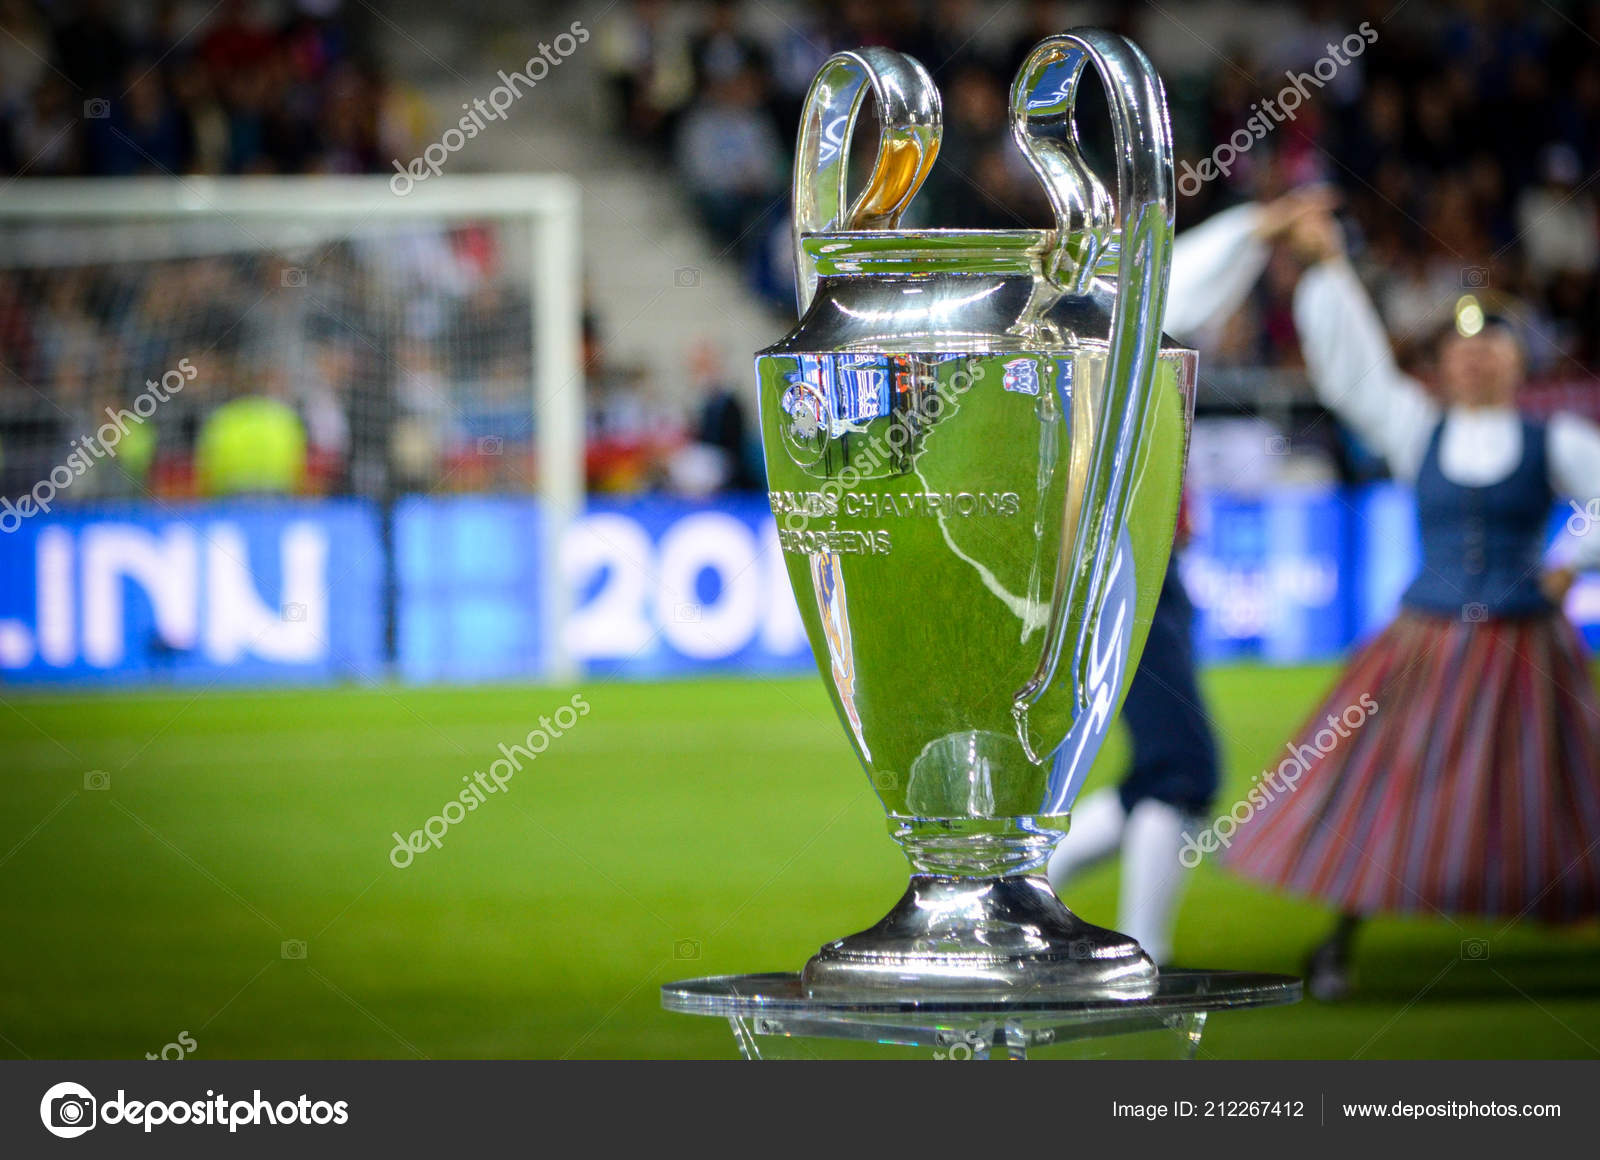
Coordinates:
1214 265
1352 368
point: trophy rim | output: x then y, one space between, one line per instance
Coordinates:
960 250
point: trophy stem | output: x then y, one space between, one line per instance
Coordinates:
978 847
978 920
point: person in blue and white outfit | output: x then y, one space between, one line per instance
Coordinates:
1472 784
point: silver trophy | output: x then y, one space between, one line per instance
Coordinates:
975 444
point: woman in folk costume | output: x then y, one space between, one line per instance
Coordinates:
1464 777
1172 775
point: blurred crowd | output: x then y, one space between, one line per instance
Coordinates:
394 360
398 359
88 90
377 366
1464 140
1464 137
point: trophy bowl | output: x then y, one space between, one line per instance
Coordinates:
975 444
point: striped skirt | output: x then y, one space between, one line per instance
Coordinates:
1471 787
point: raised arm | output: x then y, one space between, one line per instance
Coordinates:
1214 265
1351 365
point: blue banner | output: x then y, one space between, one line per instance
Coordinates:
656 587
1268 576
469 588
297 591
158 593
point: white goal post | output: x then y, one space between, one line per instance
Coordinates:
52 225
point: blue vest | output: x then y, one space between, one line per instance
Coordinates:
1483 547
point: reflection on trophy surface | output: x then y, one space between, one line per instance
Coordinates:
975 446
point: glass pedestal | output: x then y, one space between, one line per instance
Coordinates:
772 1018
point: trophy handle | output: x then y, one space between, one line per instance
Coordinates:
1042 98
912 123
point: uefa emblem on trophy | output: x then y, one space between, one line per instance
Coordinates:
975 444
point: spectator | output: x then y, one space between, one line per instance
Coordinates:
45 137
721 51
144 133
91 49
732 160
1426 131
1556 221
252 446
722 439
24 52
89 96
644 52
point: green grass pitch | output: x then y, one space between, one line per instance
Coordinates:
679 829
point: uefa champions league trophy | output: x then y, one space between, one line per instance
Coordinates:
975 444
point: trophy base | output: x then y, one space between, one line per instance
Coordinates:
772 1017
1002 938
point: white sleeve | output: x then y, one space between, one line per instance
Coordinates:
1353 370
1214 265
1573 445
